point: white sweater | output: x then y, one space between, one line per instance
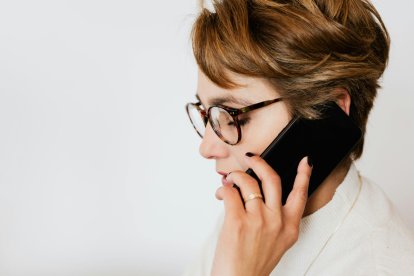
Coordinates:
373 240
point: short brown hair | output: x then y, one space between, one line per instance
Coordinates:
305 48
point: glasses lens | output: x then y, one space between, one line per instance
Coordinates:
196 119
224 125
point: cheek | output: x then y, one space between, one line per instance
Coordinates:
238 156
264 130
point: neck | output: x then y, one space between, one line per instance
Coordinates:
324 193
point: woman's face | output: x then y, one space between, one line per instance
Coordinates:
263 124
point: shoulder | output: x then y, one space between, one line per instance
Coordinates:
373 241
390 239
376 209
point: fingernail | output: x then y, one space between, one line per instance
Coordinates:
310 163
249 154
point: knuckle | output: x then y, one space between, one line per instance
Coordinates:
275 225
258 223
256 161
233 218
292 234
236 173
235 225
232 173
274 178
251 181
301 193
234 176
301 178
225 192
274 228
246 181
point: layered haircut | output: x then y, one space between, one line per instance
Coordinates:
304 48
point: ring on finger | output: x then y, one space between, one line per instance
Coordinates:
253 196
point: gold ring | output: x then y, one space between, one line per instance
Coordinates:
253 196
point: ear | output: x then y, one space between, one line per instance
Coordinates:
343 99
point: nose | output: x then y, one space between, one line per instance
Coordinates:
212 146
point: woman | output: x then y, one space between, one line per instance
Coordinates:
306 52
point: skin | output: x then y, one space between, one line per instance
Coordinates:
253 239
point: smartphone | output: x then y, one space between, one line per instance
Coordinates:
327 141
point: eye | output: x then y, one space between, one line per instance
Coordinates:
242 122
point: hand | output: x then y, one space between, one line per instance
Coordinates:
254 237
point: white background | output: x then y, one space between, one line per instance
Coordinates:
99 166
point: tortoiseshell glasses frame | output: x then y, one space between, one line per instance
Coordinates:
233 112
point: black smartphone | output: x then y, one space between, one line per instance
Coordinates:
327 141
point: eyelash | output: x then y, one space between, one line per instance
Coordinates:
243 121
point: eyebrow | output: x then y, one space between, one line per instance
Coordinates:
226 99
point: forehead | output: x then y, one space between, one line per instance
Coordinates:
251 90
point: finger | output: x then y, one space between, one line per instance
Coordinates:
248 186
296 201
233 204
271 183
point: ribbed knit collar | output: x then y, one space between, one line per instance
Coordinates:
316 228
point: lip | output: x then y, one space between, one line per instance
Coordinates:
222 173
223 179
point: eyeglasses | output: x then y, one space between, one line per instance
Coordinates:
223 119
